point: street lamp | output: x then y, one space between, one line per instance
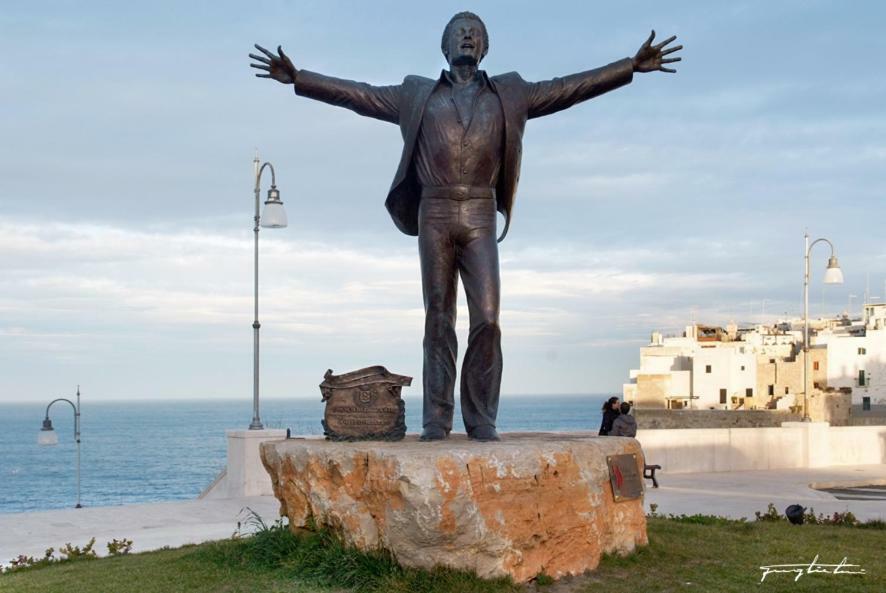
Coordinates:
833 275
273 217
48 436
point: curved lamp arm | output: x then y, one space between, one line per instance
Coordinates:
47 423
258 175
61 399
811 245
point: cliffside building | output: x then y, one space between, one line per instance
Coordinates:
762 367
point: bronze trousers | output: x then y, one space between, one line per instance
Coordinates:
457 237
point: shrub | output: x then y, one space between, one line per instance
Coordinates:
70 552
67 553
771 514
847 519
119 547
21 561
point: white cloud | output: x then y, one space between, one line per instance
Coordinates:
140 283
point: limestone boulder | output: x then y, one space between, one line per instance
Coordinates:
531 503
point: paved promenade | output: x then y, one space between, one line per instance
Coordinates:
149 526
155 525
739 494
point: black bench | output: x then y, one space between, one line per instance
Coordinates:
649 474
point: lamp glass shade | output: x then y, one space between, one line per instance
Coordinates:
47 437
274 215
833 275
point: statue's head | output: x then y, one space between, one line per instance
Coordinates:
465 40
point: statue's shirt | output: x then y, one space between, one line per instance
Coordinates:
461 137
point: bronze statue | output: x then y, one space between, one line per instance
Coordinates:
462 143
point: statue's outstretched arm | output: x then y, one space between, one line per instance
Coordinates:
554 95
380 102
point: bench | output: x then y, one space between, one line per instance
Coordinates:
649 473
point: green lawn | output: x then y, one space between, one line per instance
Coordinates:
682 556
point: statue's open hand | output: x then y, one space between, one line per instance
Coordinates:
278 67
651 57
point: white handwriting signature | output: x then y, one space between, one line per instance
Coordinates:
811 568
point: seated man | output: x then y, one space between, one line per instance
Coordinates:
624 425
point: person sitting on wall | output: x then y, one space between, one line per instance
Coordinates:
610 413
624 425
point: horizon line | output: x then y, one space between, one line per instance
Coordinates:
278 399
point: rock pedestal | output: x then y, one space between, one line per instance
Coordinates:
532 503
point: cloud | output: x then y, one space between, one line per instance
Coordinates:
58 274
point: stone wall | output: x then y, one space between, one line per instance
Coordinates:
867 421
876 416
794 445
655 418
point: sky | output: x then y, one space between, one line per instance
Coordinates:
128 132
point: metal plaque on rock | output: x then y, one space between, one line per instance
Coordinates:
364 405
625 477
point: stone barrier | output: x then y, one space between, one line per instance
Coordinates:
532 503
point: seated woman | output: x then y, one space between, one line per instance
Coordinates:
610 413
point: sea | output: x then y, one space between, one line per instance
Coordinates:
160 450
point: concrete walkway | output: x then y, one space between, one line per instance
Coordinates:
740 494
149 526
155 525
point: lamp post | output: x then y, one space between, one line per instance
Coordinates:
273 217
833 275
48 436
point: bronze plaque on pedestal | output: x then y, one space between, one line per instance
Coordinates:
364 405
624 476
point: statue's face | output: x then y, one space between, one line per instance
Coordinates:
465 43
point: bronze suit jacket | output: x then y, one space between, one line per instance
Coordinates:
404 104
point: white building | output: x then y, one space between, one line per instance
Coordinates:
706 368
856 356
711 367
721 372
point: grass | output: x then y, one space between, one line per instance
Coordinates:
685 554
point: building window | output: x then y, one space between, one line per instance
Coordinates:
862 380
707 369
749 392
772 390
815 365
742 367
771 361
862 351
722 396
787 390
